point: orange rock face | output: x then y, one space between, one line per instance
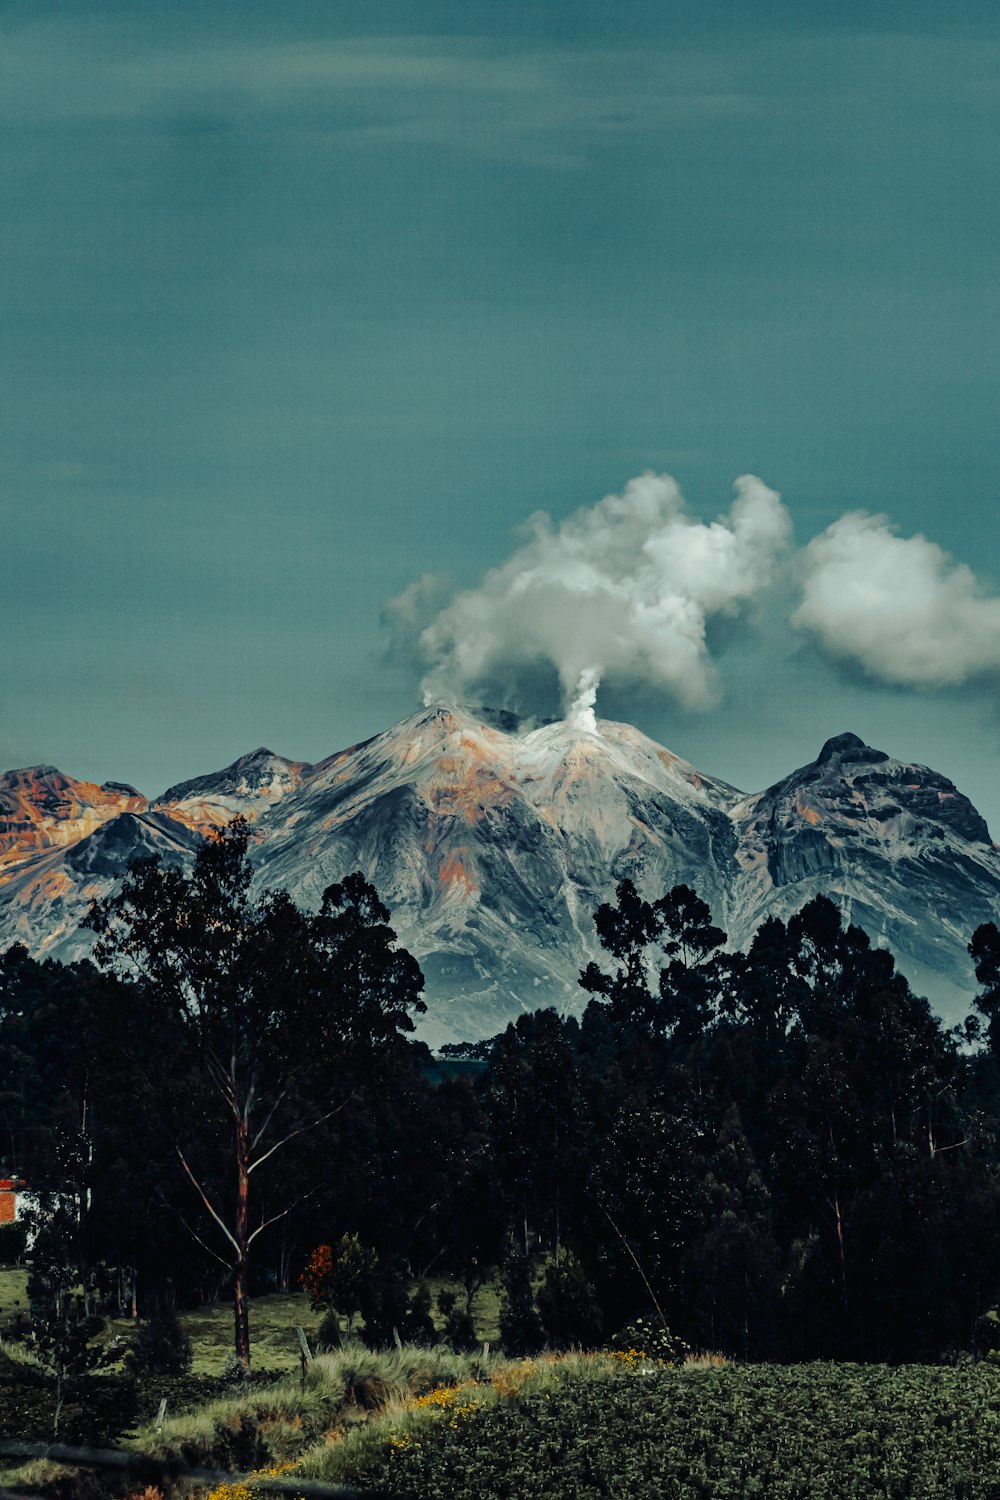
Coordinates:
40 808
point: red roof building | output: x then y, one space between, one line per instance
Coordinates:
9 1192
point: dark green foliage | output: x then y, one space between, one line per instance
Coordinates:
817 1432
459 1329
521 1329
985 951
651 1338
161 1347
730 1268
567 1304
94 1411
13 1243
537 1130
356 1280
383 1302
328 1335
785 1151
59 1286
419 1326
690 983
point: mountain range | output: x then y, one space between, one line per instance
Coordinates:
492 845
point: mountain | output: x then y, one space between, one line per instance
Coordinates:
904 854
492 847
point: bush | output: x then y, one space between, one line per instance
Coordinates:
652 1339
520 1326
419 1323
384 1304
234 1371
328 1335
459 1329
161 1347
13 1243
567 1304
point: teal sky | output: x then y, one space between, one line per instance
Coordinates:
300 301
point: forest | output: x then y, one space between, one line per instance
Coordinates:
781 1155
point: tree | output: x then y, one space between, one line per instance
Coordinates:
985 951
61 1326
520 1325
567 1303
537 1127
264 1014
635 932
341 1277
731 1264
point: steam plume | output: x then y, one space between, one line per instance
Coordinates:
620 590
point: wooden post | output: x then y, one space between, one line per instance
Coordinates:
161 1413
305 1356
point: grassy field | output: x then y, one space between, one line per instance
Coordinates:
26 1405
273 1321
13 1295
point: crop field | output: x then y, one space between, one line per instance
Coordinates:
789 1433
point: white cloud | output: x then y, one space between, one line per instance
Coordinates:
900 607
622 590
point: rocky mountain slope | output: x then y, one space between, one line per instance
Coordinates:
493 849
903 853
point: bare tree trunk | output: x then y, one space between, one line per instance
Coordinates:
840 1247
285 1256
241 1299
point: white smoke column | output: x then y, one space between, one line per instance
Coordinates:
899 607
621 590
581 711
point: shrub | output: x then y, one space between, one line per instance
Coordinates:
419 1323
459 1329
328 1334
13 1243
161 1347
343 1276
520 1326
234 1371
567 1304
384 1304
650 1339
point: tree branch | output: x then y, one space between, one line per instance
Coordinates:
221 1079
204 1198
266 1223
194 1233
635 1261
300 1131
267 1119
